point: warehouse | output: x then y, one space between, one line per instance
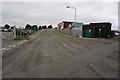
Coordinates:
97 30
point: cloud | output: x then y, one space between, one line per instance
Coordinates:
46 13
60 0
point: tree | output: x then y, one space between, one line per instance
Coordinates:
40 27
12 27
44 27
50 26
7 26
34 26
28 26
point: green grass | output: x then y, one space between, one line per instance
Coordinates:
25 37
21 38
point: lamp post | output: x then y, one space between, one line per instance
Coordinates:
75 16
74 9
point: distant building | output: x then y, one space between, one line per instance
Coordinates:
64 24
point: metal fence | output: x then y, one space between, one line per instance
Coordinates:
73 31
76 32
19 33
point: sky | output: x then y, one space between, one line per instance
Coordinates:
53 12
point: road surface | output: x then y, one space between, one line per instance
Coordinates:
52 54
7 39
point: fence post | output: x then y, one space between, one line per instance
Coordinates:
20 32
14 32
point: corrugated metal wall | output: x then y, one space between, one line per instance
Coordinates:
76 32
73 32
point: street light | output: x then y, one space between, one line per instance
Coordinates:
75 11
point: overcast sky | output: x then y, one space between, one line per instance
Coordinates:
45 13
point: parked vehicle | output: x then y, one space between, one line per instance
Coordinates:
5 30
2 30
29 31
112 34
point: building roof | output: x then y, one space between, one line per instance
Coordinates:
115 30
67 21
99 22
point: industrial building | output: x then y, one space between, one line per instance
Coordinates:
64 24
97 30
92 30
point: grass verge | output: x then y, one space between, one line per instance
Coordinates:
21 38
25 37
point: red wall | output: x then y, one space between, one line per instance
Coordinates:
66 24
